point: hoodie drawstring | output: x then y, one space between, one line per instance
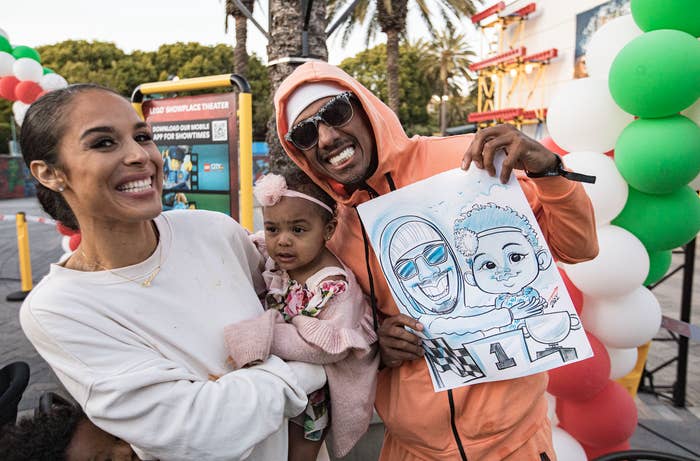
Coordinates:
372 296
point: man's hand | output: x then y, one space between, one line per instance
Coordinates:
396 344
522 152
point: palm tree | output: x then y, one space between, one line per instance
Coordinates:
451 58
240 53
285 50
389 16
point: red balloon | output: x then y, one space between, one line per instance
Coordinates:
65 230
594 452
27 91
610 153
575 294
549 143
609 418
7 87
74 241
582 380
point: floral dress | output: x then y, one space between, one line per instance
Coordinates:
291 298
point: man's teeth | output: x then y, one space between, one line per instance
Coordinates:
342 156
437 289
136 186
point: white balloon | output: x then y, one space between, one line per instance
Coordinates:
6 62
607 42
623 321
566 447
582 116
622 361
693 112
27 69
4 34
621 266
50 82
609 193
19 110
695 183
552 409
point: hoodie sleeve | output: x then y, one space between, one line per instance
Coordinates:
565 215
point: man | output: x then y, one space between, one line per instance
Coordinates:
353 146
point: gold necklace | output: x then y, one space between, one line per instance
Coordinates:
149 279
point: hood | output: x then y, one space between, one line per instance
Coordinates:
390 138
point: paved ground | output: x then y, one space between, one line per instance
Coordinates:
662 426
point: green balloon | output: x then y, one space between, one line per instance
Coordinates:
48 71
659 155
21 51
656 74
661 222
667 14
5 45
659 262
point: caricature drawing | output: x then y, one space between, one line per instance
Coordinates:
471 265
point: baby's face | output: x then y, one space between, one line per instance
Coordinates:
505 262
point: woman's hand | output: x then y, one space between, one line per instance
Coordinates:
522 152
397 344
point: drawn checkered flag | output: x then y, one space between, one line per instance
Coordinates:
458 360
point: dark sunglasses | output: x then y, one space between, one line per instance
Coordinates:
433 255
335 113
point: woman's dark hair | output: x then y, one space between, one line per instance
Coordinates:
45 437
42 130
299 181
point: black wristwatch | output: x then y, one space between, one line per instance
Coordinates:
558 170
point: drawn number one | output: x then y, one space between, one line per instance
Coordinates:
503 360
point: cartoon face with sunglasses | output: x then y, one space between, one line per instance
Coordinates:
424 266
335 138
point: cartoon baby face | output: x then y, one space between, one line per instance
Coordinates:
504 262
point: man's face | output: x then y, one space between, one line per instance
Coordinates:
428 274
505 262
344 153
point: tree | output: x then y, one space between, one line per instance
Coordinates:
105 64
389 16
416 84
285 42
240 53
451 58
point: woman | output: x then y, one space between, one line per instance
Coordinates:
132 322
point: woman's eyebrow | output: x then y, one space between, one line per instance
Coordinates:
97 129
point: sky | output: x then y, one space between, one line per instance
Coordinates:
147 24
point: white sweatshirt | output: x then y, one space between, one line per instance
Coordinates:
139 360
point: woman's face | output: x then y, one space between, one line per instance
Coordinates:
113 171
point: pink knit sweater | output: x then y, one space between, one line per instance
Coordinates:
341 338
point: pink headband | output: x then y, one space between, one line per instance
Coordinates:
272 187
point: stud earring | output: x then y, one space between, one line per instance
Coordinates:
60 188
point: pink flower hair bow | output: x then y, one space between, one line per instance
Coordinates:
272 187
269 189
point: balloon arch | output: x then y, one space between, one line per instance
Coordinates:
22 77
634 124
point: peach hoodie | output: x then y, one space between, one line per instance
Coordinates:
490 421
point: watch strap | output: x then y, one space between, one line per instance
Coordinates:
558 170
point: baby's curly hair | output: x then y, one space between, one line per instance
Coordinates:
45 437
299 181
